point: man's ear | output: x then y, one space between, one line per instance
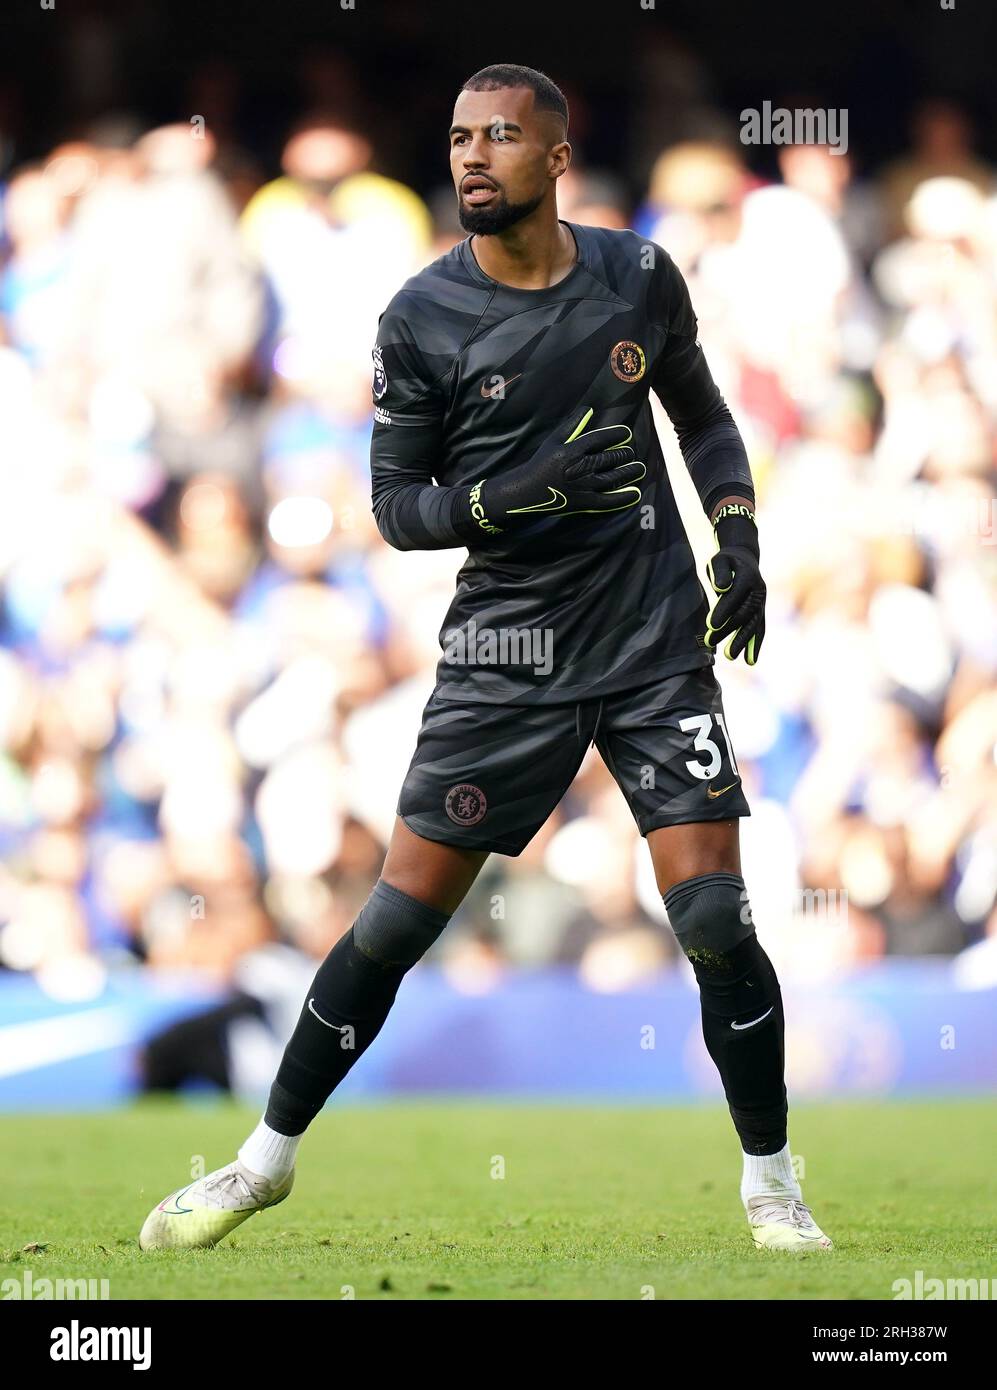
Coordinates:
558 159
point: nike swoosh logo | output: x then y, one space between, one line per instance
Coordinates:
555 503
714 794
312 1010
179 1210
739 1026
492 393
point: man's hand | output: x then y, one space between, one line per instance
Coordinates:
739 613
594 472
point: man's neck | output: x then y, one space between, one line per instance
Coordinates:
527 257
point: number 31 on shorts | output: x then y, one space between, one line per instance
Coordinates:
702 726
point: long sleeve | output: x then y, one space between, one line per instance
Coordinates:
411 512
710 441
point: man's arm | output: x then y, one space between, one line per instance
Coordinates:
411 512
579 471
406 447
714 454
710 441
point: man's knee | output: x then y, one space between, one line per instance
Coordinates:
394 928
710 915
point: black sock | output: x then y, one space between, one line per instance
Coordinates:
739 987
348 1003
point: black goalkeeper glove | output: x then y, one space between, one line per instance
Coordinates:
594 472
739 613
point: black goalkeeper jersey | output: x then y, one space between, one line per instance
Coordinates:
472 377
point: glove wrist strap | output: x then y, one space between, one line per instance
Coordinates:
734 528
471 519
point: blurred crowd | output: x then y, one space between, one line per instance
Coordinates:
212 668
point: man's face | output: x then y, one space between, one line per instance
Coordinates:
504 157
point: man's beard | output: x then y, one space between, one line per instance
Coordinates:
497 217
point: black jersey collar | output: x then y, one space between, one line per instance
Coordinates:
581 264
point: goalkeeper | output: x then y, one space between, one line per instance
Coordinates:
512 418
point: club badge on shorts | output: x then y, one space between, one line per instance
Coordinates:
465 805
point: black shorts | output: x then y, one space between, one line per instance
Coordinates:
488 776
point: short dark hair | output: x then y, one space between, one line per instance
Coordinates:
547 96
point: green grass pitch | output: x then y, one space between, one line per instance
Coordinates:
405 1201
